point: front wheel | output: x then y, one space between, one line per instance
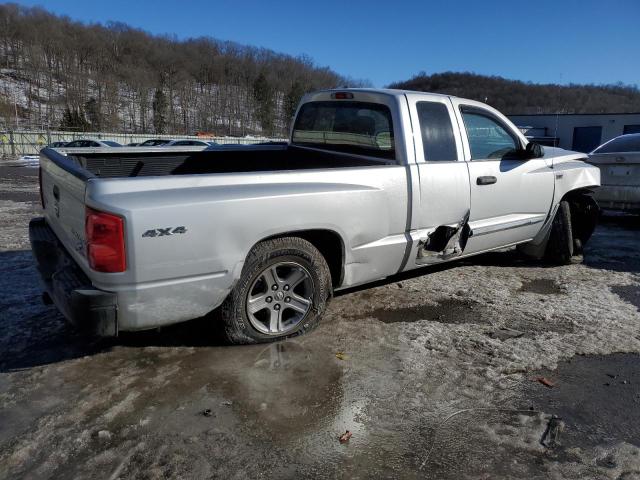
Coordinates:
282 292
563 248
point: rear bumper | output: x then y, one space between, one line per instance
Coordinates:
88 308
618 197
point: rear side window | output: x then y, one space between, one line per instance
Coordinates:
626 143
438 139
352 127
488 138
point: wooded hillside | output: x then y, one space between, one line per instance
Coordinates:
58 73
515 97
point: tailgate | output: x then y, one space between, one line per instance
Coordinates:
63 189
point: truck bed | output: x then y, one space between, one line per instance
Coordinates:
212 211
137 162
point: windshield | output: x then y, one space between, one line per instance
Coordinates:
353 127
625 143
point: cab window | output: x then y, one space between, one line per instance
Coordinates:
352 127
438 140
488 138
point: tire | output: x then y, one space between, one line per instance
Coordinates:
561 246
248 314
578 252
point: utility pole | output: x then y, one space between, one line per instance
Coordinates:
15 104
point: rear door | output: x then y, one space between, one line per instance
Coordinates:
510 197
444 202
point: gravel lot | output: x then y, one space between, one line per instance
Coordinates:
435 377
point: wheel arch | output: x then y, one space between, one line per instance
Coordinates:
584 212
328 242
584 217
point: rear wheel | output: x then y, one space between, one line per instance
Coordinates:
282 292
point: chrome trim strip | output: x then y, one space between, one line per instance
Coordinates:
478 231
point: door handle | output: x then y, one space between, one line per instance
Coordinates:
56 192
486 180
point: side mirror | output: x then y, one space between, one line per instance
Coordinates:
533 150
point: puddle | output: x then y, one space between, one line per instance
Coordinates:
598 398
469 442
450 311
542 286
275 394
285 387
629 293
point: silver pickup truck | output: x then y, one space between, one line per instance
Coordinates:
372 183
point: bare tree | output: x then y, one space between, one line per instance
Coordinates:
116 77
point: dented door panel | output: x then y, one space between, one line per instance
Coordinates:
515 207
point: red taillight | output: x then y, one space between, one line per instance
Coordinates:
105 241
40 185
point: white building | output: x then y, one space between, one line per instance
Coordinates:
577 131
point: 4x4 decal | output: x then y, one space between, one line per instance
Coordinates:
164 232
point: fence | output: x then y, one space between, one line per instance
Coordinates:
15 143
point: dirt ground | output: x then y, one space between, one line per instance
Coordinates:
435 377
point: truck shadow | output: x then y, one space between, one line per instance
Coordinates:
34 334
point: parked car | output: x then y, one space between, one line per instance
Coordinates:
371 184
57 144
619 164
91 144
155 142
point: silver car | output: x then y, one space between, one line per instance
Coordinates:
91 143
619 164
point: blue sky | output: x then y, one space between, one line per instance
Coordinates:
542 41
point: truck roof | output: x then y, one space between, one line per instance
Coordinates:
387 91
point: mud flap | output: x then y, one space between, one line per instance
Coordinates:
445 242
